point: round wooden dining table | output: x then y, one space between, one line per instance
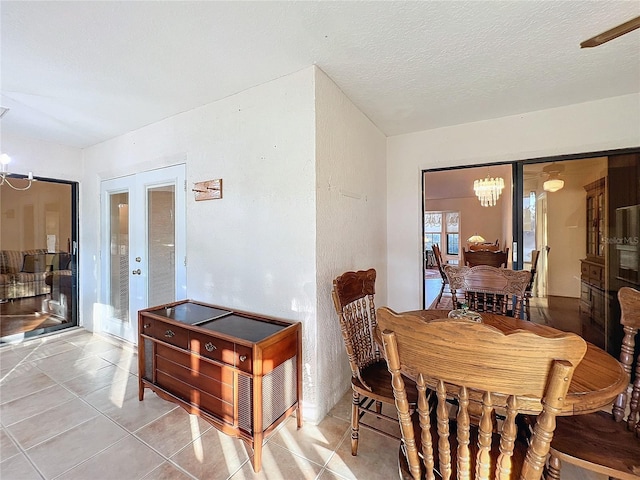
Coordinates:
597 380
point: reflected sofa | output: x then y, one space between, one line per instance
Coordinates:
23 272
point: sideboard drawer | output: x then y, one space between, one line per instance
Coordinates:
195 378
212 347
171 334
195 397
199 366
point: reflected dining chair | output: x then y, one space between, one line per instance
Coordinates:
607 442
488 289
528 293
353 298
505 376
485 257
440 263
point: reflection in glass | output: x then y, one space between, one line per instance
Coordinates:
119 255
161 244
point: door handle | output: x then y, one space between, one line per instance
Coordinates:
137 272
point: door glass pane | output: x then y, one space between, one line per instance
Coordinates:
161 244
119 259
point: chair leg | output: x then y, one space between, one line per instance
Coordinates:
439 297
355 422
553 468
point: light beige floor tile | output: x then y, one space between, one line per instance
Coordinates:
24 407
214 456
279 464
83 338
7 448
129 458
329 475
67 365
168 471
342 409
313 442
377 457
126 359
16 372
9 359
45 350
89 382
18 468
173 431
97 347
114 395
135 414
391 427
65 451
23 380
51 422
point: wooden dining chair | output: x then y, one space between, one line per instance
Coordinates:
607 442
485 257
529 290
504 376
440 263
488 289
353 298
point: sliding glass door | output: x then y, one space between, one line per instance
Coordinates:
578 213
38 269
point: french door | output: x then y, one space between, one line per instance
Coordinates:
143 254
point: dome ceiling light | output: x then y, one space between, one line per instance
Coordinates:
553 183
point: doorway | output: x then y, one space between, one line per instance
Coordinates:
143 246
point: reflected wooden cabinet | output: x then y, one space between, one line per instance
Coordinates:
592 302
595 218
592 268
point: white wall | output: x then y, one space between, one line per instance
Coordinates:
44 159
255 249
351 229
588 127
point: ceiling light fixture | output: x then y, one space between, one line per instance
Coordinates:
553 182
488 190
4 179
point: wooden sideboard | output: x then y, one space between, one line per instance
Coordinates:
240 371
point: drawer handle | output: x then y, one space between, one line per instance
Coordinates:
243 358
147 325
169 334
210 347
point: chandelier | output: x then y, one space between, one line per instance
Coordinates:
488 190
4 179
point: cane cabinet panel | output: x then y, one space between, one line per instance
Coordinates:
237 370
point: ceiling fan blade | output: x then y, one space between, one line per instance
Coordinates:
612 33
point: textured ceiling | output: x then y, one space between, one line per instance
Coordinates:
78 73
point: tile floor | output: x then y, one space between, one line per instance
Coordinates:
69 409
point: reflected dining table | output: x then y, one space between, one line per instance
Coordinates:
597 380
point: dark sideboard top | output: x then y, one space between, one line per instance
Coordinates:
216 319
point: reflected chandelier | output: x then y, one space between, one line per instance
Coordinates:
4 179
488 190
